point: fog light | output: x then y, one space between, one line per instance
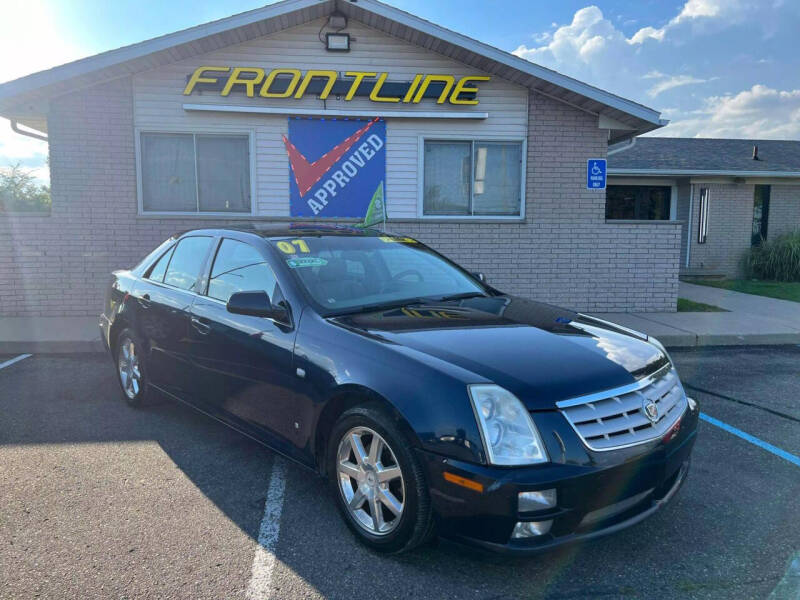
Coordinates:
528 529
537 500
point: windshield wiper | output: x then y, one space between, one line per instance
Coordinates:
380 306
462 296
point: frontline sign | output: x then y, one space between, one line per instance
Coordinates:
293 83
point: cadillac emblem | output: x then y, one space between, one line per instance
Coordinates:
650 410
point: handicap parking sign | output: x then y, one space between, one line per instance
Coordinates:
596 174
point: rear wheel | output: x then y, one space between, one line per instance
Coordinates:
378 482
130 367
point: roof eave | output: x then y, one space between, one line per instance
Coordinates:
53 81
700 173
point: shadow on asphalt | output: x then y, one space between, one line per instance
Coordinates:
709 542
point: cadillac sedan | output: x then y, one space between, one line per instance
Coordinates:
431 402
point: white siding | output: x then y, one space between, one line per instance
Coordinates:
158 102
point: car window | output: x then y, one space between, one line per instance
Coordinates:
158 270
187 261
346 272
239 267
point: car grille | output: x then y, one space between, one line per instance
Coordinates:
617 418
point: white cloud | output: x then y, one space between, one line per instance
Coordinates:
669 82
587 35
702 63
691 11
759 112
25 51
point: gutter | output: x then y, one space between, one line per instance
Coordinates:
699 173
631 143
16 129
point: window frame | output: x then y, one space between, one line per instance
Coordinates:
673 199
523 141
249 132
202 276
215 249
703 213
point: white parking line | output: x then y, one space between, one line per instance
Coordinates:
258 587
14 360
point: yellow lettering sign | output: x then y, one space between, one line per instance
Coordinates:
310 74
197 77
374 95
249 82
461 86
458 92
448 81
265 93
358 78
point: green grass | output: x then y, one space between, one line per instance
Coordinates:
685 305
783 290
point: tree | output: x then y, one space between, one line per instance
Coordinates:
20 192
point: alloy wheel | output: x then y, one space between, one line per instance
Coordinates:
130 374
370 480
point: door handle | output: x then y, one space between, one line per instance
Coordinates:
202 328
144 300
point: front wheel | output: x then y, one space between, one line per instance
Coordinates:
378 482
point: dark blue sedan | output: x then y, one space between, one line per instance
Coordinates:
432 402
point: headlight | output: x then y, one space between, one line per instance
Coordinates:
508 432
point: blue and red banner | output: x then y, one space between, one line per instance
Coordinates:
336 166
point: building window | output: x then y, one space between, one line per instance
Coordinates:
472 179
638 202
760 214
195 173
702 226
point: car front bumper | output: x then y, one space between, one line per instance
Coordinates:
607 492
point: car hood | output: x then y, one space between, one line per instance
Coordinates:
539 352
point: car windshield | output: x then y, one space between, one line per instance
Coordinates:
347 274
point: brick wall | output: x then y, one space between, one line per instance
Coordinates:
784 210
564 252
730 223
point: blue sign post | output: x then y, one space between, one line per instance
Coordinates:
596 174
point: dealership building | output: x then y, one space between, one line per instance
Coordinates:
309 110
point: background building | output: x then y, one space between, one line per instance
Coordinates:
486 160
727 194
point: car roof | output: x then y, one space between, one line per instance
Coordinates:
294 230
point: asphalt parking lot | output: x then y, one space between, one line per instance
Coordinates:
101 500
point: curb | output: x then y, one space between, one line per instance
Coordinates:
53 347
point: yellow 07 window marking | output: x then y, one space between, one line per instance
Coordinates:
289 247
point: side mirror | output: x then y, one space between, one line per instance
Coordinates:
479 276
256 304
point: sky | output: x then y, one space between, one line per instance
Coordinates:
714 68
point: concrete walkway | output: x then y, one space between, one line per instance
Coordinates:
49 335
751 320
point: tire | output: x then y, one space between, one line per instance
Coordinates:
390 481
131 370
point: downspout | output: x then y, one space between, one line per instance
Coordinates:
16 129
689 224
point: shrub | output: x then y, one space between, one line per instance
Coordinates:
777 259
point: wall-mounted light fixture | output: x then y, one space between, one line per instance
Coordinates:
337 42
